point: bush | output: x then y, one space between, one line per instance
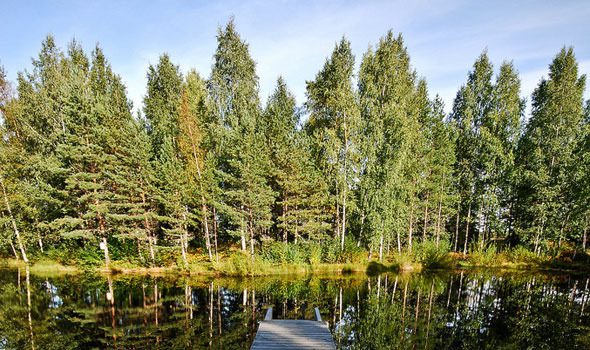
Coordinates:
403 259
521 254
314 253
296 253
274 252
483 257
281 253
331 251
239 263
431 256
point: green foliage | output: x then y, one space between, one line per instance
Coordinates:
376 165
312 253
315 253
521 254
431 255
281 253
483 257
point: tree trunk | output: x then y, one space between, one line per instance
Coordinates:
381 247
148 228
411 228
538 237
481 227
243 231
215 233
285 223
424 229
184 240
467 229
438 220
337 230
343 218
251 224
105 248
206 227
584 238
457 225
19 240
296 229
14 251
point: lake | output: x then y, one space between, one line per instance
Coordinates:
446 310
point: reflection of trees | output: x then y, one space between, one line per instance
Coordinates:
457 311
471 312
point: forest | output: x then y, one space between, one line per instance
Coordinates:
369 167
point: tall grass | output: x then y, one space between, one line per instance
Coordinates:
431 255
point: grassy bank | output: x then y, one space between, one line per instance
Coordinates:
237 263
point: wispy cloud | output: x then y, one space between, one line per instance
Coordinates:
293 38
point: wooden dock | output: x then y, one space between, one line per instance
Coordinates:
293 334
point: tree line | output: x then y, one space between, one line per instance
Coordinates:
369 160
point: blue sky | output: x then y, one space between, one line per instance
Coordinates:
293 38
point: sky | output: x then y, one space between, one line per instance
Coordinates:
293 38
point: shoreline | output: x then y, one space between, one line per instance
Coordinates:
207 269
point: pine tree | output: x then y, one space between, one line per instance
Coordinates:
36 123
161 104
333 125
301 192
241 156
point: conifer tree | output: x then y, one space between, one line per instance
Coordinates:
301 192
239 148
164 83
162 111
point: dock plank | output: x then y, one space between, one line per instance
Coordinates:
293 334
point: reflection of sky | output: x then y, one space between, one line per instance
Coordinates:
292 38
55 300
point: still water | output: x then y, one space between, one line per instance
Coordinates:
458 310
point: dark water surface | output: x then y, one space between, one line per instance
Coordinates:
459 310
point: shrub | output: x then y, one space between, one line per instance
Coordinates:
483 257
430 256
314 253
296 253
353 253
290 253
275 252
521 254
239 263
331 251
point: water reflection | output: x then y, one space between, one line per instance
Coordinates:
463 310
